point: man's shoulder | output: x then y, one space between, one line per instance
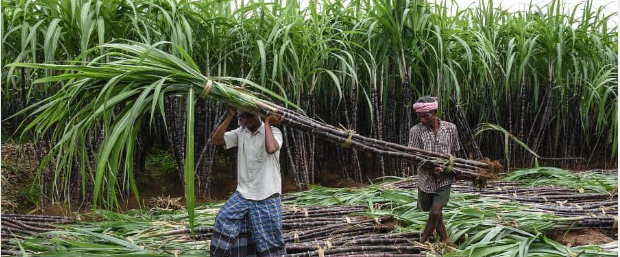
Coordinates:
238 130
449 125
416 128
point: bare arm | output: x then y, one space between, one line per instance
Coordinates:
218 136
271 145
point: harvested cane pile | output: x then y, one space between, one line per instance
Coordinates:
311 230
586 210
317 223
487 227
332 232
392 244
314 223
482 226
20 226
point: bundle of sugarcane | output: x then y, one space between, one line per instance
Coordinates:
605 216
464 186
21 226
200 233
574 198
567 210
304 223
603 223
379 255
297 232
30 224
468 169
582 210
312 223
373 239
38 218
517 191
5 252
379 250
601 172
291 212
492 187
346 227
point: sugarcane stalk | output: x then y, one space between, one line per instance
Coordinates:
348 206
26 226
308 224
332 209
7 235
338 222
330 231
16 229
291 248
288 114
312 219
321 214
361 249
341 139
383 255
344 239
9 252
291 165
339 136
29 216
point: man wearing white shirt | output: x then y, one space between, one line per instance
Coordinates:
250 222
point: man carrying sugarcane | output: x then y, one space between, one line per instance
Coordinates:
434 185
250 222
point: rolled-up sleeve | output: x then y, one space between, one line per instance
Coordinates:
277 135
231 138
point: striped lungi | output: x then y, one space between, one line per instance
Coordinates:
248 228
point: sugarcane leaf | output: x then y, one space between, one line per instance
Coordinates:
494 232
189 160
107 238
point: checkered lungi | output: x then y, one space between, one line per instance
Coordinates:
248 228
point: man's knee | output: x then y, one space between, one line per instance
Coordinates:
434 213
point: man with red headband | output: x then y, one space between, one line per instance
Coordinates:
433 135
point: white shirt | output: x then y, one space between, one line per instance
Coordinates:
258 172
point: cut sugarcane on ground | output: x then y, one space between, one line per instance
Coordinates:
381 220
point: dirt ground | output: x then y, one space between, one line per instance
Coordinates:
581 237
19 165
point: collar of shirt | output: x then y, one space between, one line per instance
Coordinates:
260 129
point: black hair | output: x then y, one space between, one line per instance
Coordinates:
425 99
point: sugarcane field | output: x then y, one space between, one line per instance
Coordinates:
309 128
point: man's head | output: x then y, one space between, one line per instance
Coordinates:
248 120
426 110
